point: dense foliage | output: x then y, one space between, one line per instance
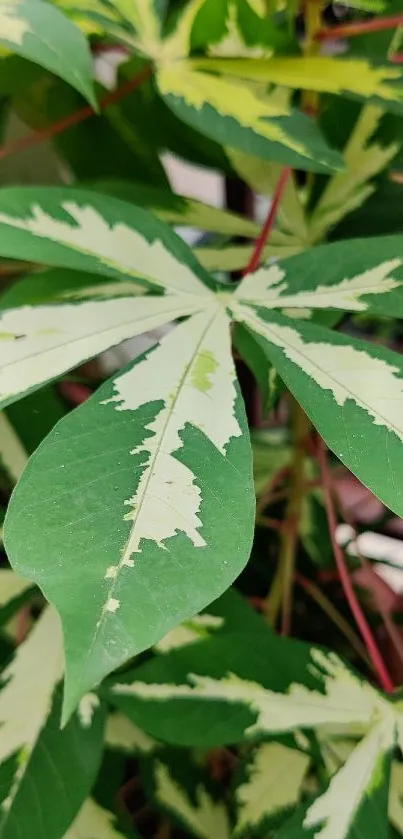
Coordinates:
142 695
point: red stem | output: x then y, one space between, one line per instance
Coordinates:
349 30
73 119
268 225
360 619
397 58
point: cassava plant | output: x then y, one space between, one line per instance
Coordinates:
141 696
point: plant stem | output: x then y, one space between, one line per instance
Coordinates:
316 594
360 619
268 225
281 591
69 121
349 30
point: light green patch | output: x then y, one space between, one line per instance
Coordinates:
204 367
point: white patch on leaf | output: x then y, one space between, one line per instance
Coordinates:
86 709
45 341
206 818
35 670
275 776
112 605
188 632
13 26
361 774
12 453
348 373
116 245
11 585
93 822
123 735
345 699
190 377
268 286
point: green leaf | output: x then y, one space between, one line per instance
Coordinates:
245 118
123 736
272 779
88 232
351 390
359 275
178 209
168 434
43 34
355 77
94 821
85 317
45 773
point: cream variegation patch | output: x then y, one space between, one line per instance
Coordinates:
362 772
93 822
123 735
13 25
11 585
45 341
116 245
348 373
275 775
12 453
179 378
87 707
206 818
345 699
41 653
188 632
268 287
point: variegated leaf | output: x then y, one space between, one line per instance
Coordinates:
12 453
41 33
235 257
243 117
356 77
355 803
97 233
340 700
360 275
346 191
45 773
179 788
180 209
69 323
274 775
11 586
94 821
351 390
168 434
396 797
122 735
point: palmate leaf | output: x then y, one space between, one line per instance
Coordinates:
170 434
329 698
355 77
43 34
45 774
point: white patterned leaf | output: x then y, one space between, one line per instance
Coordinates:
40 342
191 804
351 390
97 233
43 775
274 777
168 436
94 822
357 276
12 453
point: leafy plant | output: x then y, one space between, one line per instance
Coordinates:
133 514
